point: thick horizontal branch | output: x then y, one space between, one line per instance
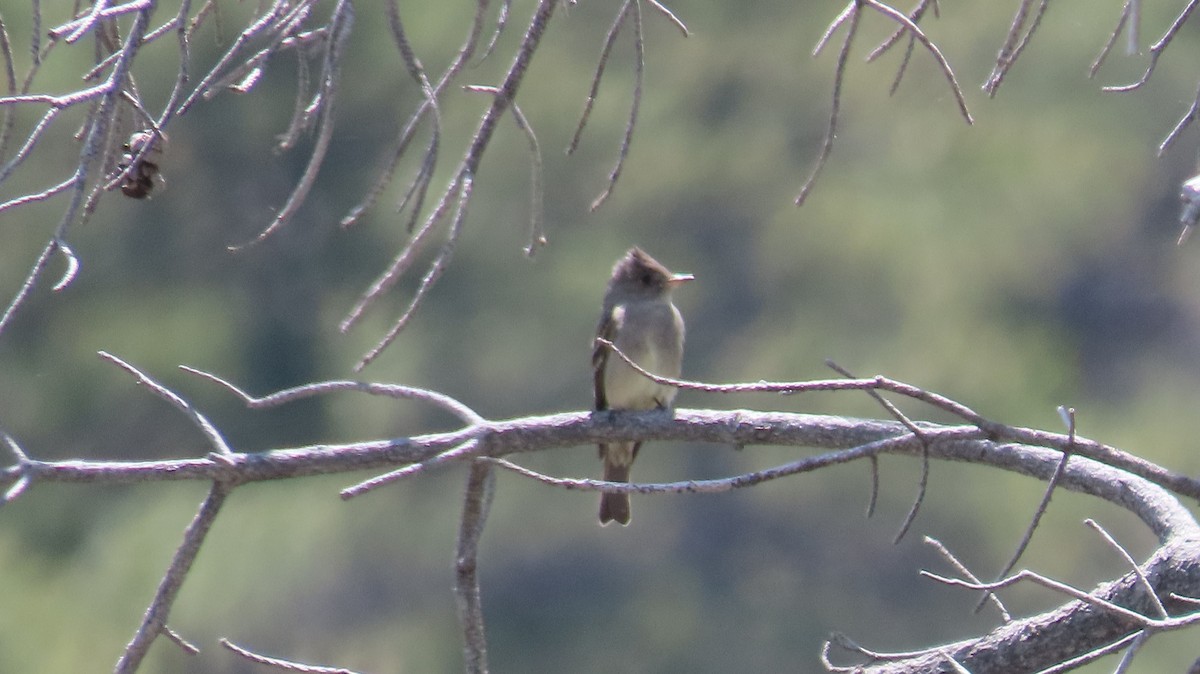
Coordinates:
525 434
1073 630
738 428
1045 640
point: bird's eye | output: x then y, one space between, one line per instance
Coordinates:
647 278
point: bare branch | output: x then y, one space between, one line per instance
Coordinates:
848 16
339 30
939 656
468 449
1093 655
1112 39
281 664
609 40
1108 455
1018 38
962 569
408 133
418 188
537 233
719 485
183 644
501 22
1137 572
639 68
31 279
1073 592
440 262
14 492
1027 537
895 412
206 427
1183 123
96 133
914 16
459 186
398 391
845 439
662 9
916 32
1158 48
481 485
155 619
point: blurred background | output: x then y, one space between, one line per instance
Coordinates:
1023 263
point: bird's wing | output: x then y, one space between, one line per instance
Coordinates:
608 330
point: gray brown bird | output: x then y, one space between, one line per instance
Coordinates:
639 318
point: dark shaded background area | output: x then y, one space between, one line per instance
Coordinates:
1016 265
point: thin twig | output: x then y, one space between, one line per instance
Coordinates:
501 22
537 234
894 38
400 264
31 279
10 76
1013 49
1005 57
1111 456
716 485
418 188
1075 593
917 13
792 388
279 663
1112 39
873 500
1143 582
609 40
962 569
1068 414
1134 647
850 17
440 262
846 14
848 644
339 31
639 67
662 9
183 644
156 615
923 483
465 52
481 484
1184 122
206 427
1092 656
20 486
467 449
1158 48
459 186
916 32
278 21
452 405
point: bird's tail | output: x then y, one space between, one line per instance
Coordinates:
617 460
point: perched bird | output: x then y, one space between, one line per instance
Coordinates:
639 318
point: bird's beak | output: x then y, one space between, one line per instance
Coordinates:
680 279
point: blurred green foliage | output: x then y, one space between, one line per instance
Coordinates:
1016 265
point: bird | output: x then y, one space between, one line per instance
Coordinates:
639 318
